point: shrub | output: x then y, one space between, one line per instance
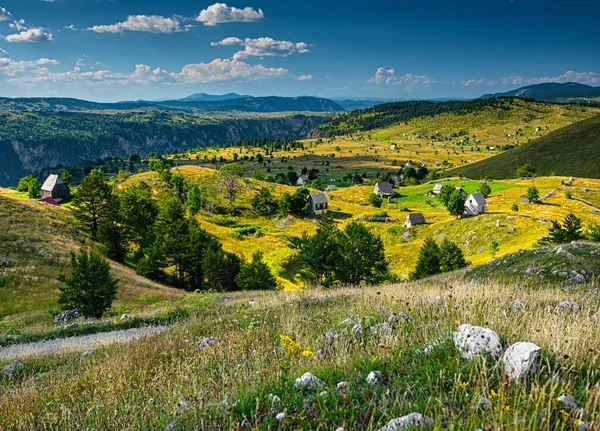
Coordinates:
375 200
515 208
256 275
532 194
380 214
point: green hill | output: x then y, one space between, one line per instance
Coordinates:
570 151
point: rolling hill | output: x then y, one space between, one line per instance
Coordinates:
570 151
553 92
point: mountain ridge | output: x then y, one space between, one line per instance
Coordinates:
552 92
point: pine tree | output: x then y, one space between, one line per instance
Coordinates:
110 229
179 186
485 189
220 269
66 177
92 195
362 256
138 212
34 190
428 262
194 200
445 193
256 275
451 257
89 288
532 194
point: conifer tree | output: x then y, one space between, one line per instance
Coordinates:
428 262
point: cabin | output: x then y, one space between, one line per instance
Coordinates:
318 203
414 219
437 189
475 204
384 189
393 147
55 188
302 180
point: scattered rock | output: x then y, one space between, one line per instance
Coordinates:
377 378
568 401
12 367
482 403
324 394
125 317
350 321
280 416
274 398
521 360
341 386
381 329
576 278
413 420
88 353
512 228
171 427
44 253
223 299
67 316
400 316
331 337
405 236
206 341
309 381
581 426
474 340
357 330
4 261
568 307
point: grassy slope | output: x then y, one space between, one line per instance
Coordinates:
472 234
29 289
165 378
570 151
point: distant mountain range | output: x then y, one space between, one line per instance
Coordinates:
554 92
191 104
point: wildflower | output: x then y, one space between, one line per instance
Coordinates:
460 385
375 359
308 353
565 413
493 394
289 345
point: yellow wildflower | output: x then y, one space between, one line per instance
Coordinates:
308 353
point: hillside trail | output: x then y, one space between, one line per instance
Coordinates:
75 344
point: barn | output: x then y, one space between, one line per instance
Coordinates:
414 219
55 188
384 189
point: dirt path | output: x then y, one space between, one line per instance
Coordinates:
75 344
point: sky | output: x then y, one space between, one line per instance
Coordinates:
111 50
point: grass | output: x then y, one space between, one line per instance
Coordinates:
164 378
569 151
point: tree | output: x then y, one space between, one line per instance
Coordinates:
66 176
593 232
194 200
110 229
199 241
445 193
298 202
258 174
292 178
451 257
526 171
228 178
362 256
375 200
92 195
319 254
263 202
34 190
456 203
532 194
493 248
221 269
179 186
23 185
256 275
89 288
569 230
485 189
428 262
138 212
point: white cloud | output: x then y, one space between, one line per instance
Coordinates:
5 15
38 34
71 27
381 75
569 76
221 13
11 67
225 70
304 78
389 77
18 25
145 23
263 47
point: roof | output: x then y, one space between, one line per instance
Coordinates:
477 197
437 188
48 200
385 187
415 218
331 187
319 198
302 178
51 182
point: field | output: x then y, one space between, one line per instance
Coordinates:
245 377
29 285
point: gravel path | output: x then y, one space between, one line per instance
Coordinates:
74 344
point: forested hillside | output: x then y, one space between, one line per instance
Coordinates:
30 142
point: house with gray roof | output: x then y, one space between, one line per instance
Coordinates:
475 204
384 189
55 188
318 203
414 219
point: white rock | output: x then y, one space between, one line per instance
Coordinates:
381 329
568 401
521 360
350 321
88 353
376 378
13 366
280 416
357 330
567 307
324 394
206 341
125 317
413 420
342 385
339 429
482 403
309 381
474 340
400 316
581 426
274 398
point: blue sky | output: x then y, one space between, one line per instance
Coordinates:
109 50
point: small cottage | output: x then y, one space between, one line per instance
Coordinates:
55 188
414 219
475 204
318 203
302 180
384 189
437 189
393 147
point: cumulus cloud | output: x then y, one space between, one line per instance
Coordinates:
389 77
263 47
590 78
5 15
38 34
11 67
145 23
71 27
225 70
18 25
304 78
221 13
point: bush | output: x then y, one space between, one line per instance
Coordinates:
515 208
532 194
89 288
375 200
380 214
256 275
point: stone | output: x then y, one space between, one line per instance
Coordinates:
309 381
576 279
4 261
206 341
67 316
274 398
512 228
280 416
324 394
125 317
568 307
472 341
376 378
381 329
413 420
482 403
405 236
357 330
350 321
521 360
12 367
88 353
171 427
331 337
400 316
581 426
44 253
223 299
341 386
568 401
